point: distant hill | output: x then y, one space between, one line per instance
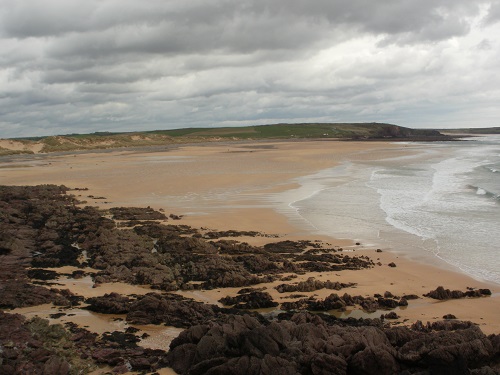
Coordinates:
495 130
105 140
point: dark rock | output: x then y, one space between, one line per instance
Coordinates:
289 247
35 347
391 315
78 274
57 315
485 292
249 290
41 274
392 264
373 360
136 213
369 305
112 303
307 344
403 302
311 285
170 309
56 366
387 303
443 294
252 300
17 294
123 339
449 316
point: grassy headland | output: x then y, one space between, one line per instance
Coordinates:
344 131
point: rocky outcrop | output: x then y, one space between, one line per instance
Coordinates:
251 300
443 294
42 227
311 285
35 347
171 310
112 303
336 302
306 344
288 247
18 294
136 213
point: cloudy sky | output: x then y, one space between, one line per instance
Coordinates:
119 65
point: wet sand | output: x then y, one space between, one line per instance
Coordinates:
228 186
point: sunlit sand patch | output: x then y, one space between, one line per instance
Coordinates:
159 337
85 286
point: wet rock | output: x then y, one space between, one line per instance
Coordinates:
112 303
290 247
387 303
252 300
41 274
391 315
16 294
311 285
121 339
57 366
306 343
443 294
35 347
336 302
136 213
369 305
170 309
78 274
403 302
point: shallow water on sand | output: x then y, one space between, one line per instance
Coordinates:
440 203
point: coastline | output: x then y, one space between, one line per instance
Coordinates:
223 188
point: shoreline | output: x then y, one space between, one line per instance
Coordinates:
242 210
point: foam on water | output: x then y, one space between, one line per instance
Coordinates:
443 203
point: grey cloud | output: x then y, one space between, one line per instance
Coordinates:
493 15
123 64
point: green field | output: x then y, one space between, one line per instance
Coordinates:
310 130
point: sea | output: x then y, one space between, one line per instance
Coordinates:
436 202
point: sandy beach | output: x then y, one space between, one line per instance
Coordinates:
228 186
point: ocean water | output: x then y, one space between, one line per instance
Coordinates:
440 202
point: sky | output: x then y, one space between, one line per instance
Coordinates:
80 66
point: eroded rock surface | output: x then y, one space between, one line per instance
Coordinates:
306 344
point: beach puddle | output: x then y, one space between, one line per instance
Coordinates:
159 337
95 322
